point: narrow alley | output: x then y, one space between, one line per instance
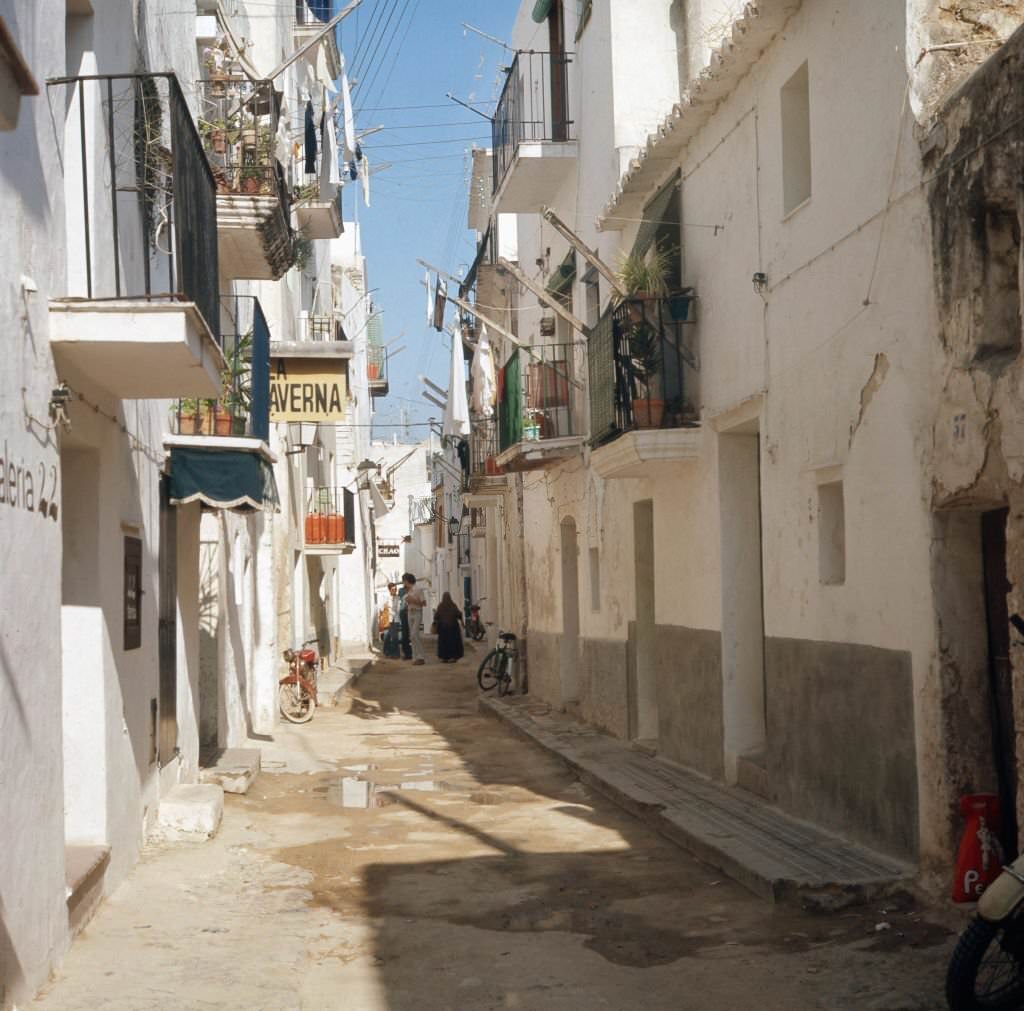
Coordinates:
404 850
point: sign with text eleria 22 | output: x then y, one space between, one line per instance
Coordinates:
308 389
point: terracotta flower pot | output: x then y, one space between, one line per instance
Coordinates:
222 423
648 413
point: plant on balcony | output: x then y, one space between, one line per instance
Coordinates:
251 179
644 276
643 351
236 385
308 191
302 250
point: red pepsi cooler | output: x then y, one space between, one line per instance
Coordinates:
979 861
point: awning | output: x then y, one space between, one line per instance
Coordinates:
654 216
222 479
561 279
541 9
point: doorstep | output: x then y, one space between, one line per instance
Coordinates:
192 811
774 855
332 682
232 769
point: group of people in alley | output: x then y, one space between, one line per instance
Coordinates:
401 624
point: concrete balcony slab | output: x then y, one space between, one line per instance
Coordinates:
647 452
138 349
538 169
533 454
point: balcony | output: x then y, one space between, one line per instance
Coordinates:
532 137
140 316
318 212
310 18
644 394
330 526
377 370
238 123
322 327
218 447
537 423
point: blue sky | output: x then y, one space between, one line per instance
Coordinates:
406 55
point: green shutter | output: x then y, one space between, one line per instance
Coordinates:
541 9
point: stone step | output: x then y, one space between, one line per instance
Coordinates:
191 811
764 849
752 775
85 865
332 682
232 769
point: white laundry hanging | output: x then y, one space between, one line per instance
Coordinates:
456 410
348 119
364 175
484 378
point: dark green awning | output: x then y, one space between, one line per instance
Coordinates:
541 9
563 275
222 479
654 216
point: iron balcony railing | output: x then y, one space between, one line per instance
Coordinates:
238 120
535 395
136 174
643 366
377 366
243 407
483 447
533 106
330 517
314 13
322 327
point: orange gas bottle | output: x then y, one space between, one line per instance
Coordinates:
979 861
332 532
314 528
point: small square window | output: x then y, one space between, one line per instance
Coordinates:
132 593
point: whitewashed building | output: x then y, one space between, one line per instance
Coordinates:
732 553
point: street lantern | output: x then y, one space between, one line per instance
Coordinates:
454 524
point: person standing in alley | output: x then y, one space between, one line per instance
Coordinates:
393 633
403 620
414 604
447 618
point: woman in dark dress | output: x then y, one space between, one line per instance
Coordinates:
449 635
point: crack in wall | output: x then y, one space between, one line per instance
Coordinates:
869 389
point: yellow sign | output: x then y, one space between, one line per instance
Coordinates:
308 389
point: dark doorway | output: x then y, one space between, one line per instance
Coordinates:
167 642
993 547
559 73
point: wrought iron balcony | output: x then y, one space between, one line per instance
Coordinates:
537 421
644 371
483 450
242 407
330 526
238 123
141 310
377 370
532 135
310 17
322 327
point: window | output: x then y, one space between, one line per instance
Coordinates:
831 534
132 593
595 580
796 141
591 298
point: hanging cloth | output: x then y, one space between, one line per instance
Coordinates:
456 410
482 372
430 298
310 141
349 121
364 175
330 176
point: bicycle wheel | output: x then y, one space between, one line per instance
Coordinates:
505 676
487 675
295 703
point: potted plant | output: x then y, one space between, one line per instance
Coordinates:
188 416
251 179
643 350
236 386
531 427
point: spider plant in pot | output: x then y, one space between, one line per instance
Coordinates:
643 276
643 353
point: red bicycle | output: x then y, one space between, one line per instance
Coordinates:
296 692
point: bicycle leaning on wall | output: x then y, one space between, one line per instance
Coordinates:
498 667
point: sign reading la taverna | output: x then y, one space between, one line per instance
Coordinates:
308 389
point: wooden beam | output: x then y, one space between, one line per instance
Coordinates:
583 249
546 297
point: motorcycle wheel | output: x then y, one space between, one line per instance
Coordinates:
295 703
478 634
986 971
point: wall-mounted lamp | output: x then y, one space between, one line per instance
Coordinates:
454 525
60 397
760 282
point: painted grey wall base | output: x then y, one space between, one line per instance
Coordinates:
603 685
841 747
689 663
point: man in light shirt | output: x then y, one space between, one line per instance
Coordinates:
414 602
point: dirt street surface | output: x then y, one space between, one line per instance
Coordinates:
411 854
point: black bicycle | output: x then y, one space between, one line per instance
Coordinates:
498 667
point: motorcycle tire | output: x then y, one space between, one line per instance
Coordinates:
295 703
477 634
983 950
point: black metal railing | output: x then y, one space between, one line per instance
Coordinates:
243 406
643 366
483 447
314 13
322 327
533 106
134 169
330 517
376 365
535 399
238 121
